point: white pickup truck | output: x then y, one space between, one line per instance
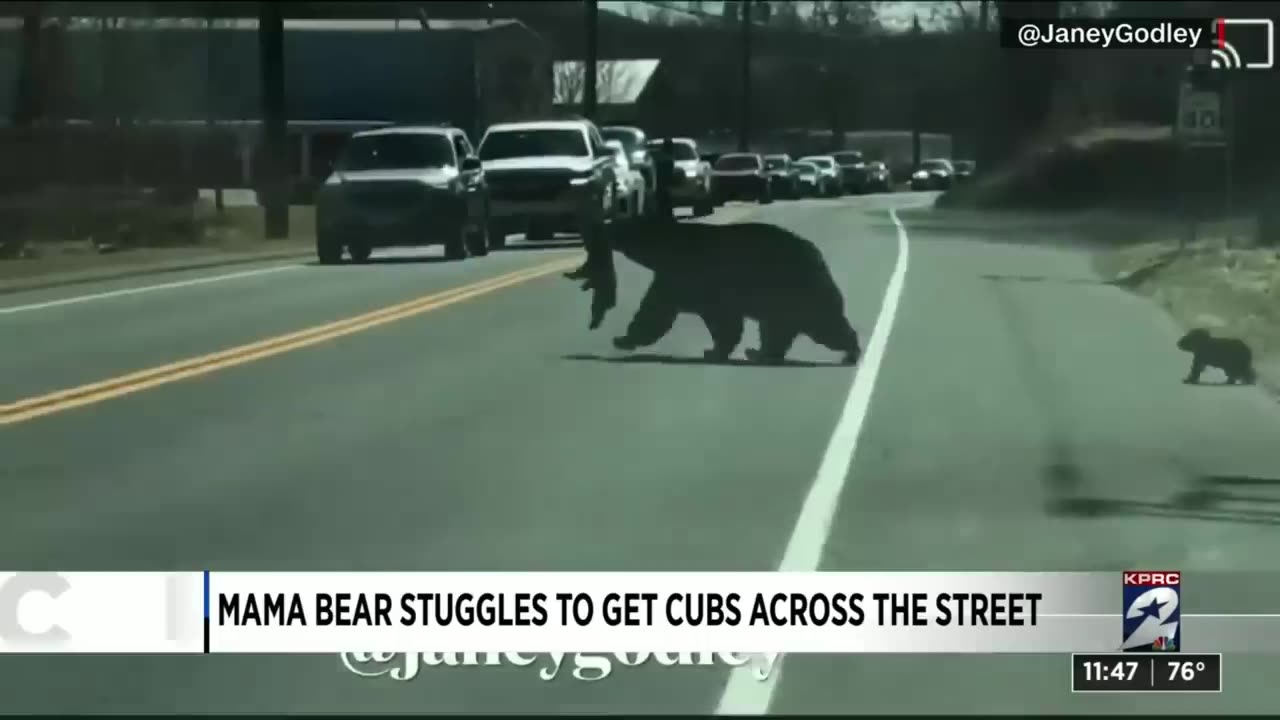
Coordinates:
548 176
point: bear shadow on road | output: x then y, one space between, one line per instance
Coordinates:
659 359
1205 499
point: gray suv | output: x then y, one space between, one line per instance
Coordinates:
403 186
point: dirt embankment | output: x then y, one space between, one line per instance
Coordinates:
76 232
1211 283
1222 276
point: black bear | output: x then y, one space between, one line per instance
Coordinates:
1230 355
727 273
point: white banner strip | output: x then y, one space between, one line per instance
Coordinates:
560 612
664 612
101 612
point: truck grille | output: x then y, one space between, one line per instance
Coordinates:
527 185
386 195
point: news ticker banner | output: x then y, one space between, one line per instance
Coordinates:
827 612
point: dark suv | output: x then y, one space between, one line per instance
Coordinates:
785 182
741 176
854 167
403 186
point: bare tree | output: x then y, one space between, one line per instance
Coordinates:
661 16
569 83
731 10
785 14
613 81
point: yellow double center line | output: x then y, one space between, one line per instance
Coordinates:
192 367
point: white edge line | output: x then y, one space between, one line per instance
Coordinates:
746 693
144 289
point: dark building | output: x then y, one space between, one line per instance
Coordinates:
340 75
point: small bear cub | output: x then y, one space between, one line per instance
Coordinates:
1229 355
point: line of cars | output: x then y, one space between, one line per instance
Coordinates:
427 185
765 178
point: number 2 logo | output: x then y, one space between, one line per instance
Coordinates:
1154 607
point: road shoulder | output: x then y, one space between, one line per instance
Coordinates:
43 273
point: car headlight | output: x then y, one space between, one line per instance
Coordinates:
333 180
449 184
920 175
638 157
690 172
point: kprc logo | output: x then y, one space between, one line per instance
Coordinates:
1152 618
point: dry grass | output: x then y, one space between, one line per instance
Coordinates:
1123 168
172 237
1212 283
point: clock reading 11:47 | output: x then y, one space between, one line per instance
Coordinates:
1146 672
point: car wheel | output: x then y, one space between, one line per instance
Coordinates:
496 233
538 232
360 252
477 240
703 206
455 247
328 249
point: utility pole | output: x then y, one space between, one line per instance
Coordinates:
30 88
915 95
744 127
589 73
211 114
275 178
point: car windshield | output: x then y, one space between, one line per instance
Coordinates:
806 168
505 144
819 162
630 139
849 157
738 162
683 151
395 151
775 163
935 165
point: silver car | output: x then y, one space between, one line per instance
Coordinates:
810 181
933 174
691 176
829 173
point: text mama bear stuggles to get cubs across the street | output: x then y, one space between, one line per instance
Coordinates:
627 609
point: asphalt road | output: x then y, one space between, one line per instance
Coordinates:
497 433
